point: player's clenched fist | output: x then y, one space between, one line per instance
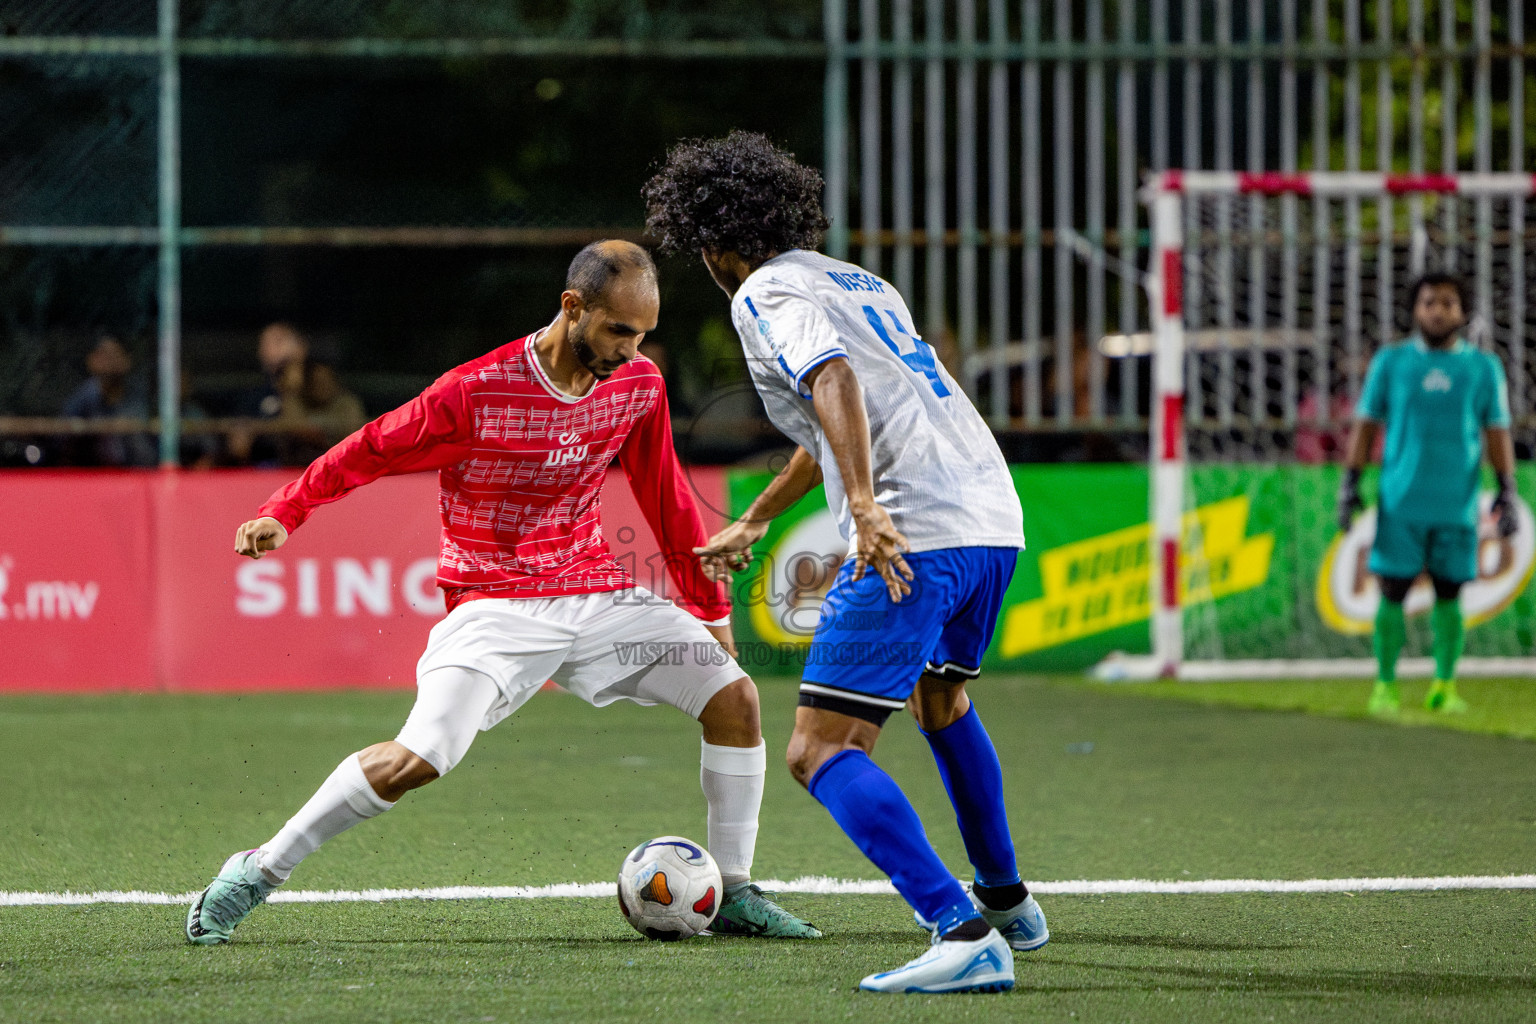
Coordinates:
259 536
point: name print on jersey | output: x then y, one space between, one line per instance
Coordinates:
856 282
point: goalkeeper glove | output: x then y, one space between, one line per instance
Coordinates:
1349 498
1503 507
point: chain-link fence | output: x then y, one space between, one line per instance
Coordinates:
403 182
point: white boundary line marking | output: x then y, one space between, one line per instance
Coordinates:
818 884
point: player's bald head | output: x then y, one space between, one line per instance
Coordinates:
602 266
610 303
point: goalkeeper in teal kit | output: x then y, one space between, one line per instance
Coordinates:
1438 399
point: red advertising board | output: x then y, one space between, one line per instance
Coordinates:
347 601
76 581
130 581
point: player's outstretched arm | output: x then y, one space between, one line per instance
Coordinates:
731 548
1362 440
840 407
257 537
431 431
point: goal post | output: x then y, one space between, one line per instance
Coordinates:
1268 293
1166 493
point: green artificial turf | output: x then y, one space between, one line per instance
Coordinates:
1499 707
153 792
1371 957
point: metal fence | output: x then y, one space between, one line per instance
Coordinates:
983 154
93 98
986 155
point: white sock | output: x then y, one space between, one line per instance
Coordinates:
343 800
732 780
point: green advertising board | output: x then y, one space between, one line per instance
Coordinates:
1266 572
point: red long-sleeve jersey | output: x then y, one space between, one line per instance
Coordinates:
521 466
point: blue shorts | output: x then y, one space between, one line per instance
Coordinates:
1403 550
868 652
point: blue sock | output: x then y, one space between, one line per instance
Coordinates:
876 815
974 778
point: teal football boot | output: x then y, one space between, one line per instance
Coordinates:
229 899
746 911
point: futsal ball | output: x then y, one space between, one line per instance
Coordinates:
669 888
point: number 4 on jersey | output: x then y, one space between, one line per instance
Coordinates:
919 360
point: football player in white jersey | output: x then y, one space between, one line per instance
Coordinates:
925 499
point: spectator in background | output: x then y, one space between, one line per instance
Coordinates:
111 392
302 394
279 347
1322 443
316 407
1326 442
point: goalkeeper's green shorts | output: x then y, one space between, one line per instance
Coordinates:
1403 550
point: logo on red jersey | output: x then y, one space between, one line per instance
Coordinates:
566 456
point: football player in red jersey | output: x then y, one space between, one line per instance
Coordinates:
522 439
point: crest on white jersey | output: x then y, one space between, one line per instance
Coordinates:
763 331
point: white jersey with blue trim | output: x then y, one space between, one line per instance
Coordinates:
937 468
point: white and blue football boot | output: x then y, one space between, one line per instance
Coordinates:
1023 925
978 965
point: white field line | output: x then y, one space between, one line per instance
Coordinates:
819 884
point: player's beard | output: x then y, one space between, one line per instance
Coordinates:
1438 340
588 356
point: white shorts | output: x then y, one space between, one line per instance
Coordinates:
614 645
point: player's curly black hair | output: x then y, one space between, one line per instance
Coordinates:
1436 279
737 194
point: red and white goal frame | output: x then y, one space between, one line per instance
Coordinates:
1166 194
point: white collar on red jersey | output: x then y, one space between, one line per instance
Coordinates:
543 377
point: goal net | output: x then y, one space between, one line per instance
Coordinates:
1269 295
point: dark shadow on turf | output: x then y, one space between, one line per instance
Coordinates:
912 936
543 941
1316 984
1161 942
